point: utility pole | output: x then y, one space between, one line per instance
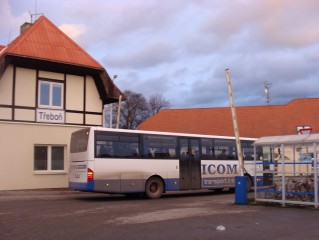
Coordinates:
235 123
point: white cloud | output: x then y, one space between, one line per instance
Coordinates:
182 47
149 56
10 23
74 31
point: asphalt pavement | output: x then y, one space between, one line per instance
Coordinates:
65 214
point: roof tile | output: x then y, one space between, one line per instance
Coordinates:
43 40
253 121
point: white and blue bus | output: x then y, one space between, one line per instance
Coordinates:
132 161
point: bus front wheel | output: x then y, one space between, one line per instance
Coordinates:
154 188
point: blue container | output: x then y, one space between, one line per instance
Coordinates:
240 190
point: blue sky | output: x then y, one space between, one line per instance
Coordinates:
181 48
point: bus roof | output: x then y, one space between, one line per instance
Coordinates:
167 133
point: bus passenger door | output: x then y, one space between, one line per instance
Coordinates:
189 164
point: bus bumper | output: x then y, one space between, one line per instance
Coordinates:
86 186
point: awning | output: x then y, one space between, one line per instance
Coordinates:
287 139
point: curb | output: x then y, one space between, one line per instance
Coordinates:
29 192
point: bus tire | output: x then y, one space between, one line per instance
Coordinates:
218 190
154 188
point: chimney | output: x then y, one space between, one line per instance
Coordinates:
24 27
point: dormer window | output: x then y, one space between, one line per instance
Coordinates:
50 95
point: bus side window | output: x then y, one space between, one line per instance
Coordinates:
247 150
208 150
226 149
213 152
222 155
134 152
151 152
103 150
159 147
248 157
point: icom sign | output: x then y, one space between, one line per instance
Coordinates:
50 116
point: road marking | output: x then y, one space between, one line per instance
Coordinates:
171 214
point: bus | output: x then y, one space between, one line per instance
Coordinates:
134 161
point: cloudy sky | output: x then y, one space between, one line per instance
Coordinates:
181 48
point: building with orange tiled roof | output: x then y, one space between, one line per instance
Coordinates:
253 121
49 88
46 46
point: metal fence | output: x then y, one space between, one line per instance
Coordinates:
289 169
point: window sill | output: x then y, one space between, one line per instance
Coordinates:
50 172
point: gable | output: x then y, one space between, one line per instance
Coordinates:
43 40
45 46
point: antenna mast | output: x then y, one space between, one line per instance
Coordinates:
267 86
35 11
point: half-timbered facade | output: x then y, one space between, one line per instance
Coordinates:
49 87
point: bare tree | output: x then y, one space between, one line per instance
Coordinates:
134 110
157 103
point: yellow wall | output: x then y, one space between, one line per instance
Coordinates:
25 87
5 113
75 92
24 115
26 90
93 101
17 155
6 86
18 137
74 118
91 119
51 75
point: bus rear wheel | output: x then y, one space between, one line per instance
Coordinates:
154 188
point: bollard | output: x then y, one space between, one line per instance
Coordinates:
240 190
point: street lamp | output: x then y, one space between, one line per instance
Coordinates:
111 106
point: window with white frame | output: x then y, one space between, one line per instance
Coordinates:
51 94
49 157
